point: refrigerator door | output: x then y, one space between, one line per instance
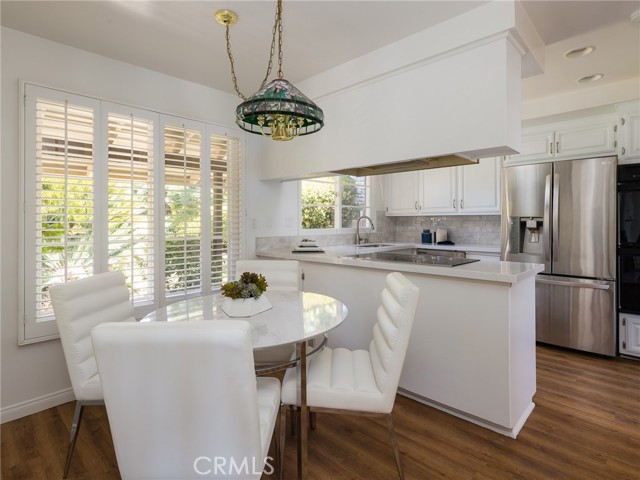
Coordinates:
584 218
526 214
576 313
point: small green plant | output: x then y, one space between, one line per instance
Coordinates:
250 285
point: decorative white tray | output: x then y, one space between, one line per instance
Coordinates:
245 307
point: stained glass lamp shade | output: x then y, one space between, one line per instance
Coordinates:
281 111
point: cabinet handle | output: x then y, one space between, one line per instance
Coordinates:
557 147
622 120
415 206
461 203
454 203
623 151
551 148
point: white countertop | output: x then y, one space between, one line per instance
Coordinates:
499 272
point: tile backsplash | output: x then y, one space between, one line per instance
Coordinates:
275 243
463 230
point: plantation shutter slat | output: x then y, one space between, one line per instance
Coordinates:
64 197
183 231
226 194
130 209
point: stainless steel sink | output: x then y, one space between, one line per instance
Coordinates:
370 245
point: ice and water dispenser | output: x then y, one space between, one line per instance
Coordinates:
524 232
526 235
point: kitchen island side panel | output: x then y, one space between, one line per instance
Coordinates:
472 349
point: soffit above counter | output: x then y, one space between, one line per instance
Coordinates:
450 108
407 166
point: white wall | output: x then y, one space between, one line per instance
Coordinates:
581 99
35 376
271 206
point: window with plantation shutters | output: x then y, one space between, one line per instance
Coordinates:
226 194
182 204
235 196
59 182
111 187
130 209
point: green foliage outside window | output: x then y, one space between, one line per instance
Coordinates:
182 238
319 202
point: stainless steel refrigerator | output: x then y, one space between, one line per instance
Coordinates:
563 214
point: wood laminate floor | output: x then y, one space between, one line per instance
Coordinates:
586 425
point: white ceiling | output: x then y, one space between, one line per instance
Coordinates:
180 38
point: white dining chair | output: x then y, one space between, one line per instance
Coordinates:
78 306
281 275
364 382
184 402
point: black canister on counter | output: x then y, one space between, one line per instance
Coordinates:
426 236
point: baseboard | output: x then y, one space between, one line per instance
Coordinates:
509 432
35 405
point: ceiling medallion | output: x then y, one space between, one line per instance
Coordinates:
277 109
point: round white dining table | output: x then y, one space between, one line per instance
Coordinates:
295 317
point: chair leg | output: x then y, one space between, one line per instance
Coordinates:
312 420
394 445
293 411
75 425
283 428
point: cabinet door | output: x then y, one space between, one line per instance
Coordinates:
536 147
479 187
630 334
402 193
585 140
629 132
438 191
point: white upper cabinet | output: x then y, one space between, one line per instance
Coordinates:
402 193
537 146
628 132
439 191
584 137
468 190
479 187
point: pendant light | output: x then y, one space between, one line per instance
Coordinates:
277 109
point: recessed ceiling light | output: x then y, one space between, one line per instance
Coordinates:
591 78
580 52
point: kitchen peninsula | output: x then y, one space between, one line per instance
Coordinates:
472 350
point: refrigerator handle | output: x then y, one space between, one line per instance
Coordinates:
546 218
562 283
556 214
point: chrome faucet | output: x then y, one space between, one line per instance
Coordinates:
358 239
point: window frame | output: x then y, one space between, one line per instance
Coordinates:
337 206
32 331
